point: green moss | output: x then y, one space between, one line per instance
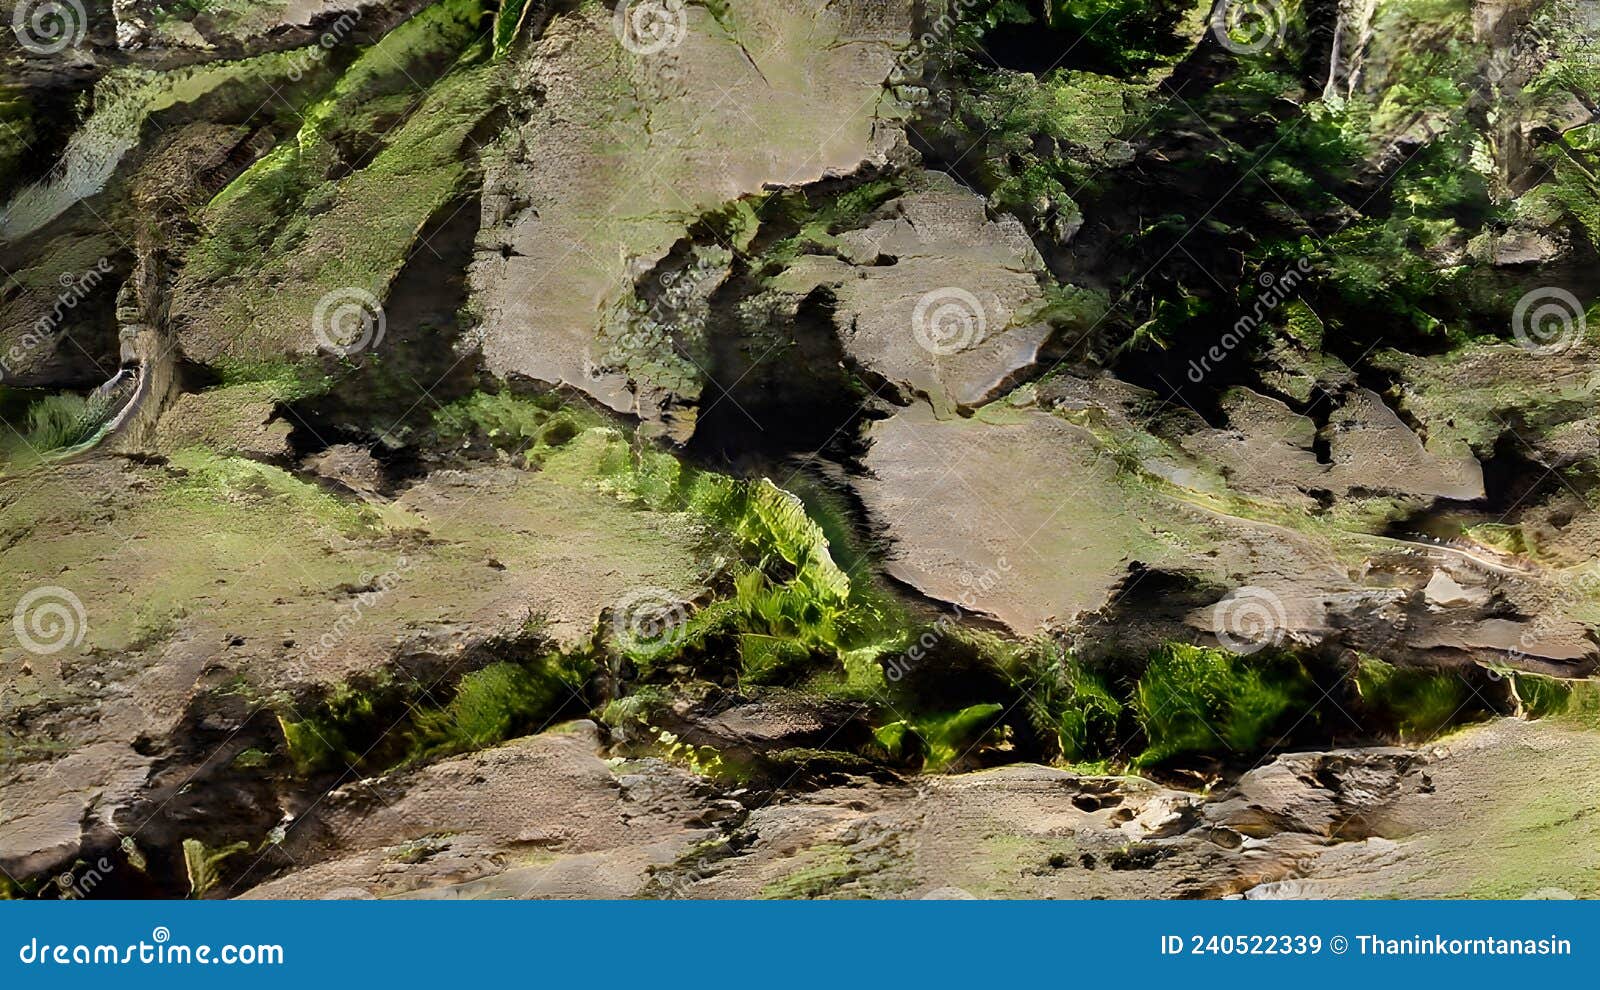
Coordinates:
285 380
499 702
531 427
1072 706
1196 700
335 733
816 218
825 869
284 235
126 99
787 601
1419 704
207 481
941 739
380 724
1573 702
251 759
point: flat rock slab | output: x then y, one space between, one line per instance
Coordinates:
935 297
1020 519
171 582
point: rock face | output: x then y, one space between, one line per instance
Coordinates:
617 153
544 818
935 298
168 610
1019 519
799 448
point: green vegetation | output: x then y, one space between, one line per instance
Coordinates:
331 735
201 864
1419 704
809 222
340 205
60 422
939 740
499 702
17 134
825 868
53 424
376 726
785 601
1197 700
1124 35
1069 704
532 427
508 23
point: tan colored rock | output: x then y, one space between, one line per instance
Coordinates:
935 297
618 153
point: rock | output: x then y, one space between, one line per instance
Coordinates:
934 297
350 465
1442 591
504 822
1019 519
600 125
1163 817
1331 795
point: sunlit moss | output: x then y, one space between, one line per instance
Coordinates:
1197 700
499 702
939 740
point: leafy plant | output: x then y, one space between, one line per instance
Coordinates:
498 702
200 863
1418 703
1193 699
